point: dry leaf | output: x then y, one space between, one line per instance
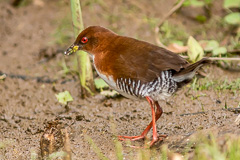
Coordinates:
177 48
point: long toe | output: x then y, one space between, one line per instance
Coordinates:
162 136
148 145
132 138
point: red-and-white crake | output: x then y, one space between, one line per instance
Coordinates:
136 69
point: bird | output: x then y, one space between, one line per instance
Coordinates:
136 69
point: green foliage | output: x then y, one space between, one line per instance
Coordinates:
152 21
100 83
117 143
62 34
210 45
195 51
109 93
201 18
219 51
119 149
208 147
95 148
233 18
231 4
204 147
85 73
65 70
77 20
34 155
233 149
23 3
3 77
218 85
197 3
171 33
64 97
57 155
164 150
213 46
85 69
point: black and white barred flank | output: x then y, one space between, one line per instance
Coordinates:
160 88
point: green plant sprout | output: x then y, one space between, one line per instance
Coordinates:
64 97
195 51
84 64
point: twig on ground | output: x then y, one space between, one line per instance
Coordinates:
200 73
223 59
174 9
219 58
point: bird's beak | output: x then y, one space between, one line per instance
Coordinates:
72 49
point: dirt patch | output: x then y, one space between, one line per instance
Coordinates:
28 96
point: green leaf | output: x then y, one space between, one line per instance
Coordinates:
208 2
233 18
64 97
201 18
186 3
231 3
209 45
194 3
220 50
100 83
108 93
195 51
55 155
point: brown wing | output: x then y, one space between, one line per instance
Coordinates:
141 60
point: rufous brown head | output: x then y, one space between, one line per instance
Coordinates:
91 40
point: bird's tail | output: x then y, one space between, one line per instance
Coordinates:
186 74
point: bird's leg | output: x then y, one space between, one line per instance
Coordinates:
145 132
156 137
159 112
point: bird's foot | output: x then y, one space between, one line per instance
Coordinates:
148 145
155 140
131 138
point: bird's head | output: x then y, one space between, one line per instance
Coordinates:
91 40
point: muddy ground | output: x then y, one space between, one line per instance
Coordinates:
31 59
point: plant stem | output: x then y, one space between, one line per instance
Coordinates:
84 64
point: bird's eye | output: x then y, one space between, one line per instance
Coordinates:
84 40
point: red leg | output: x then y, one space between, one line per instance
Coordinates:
155 117
158 115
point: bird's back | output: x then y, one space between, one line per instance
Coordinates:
138 69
